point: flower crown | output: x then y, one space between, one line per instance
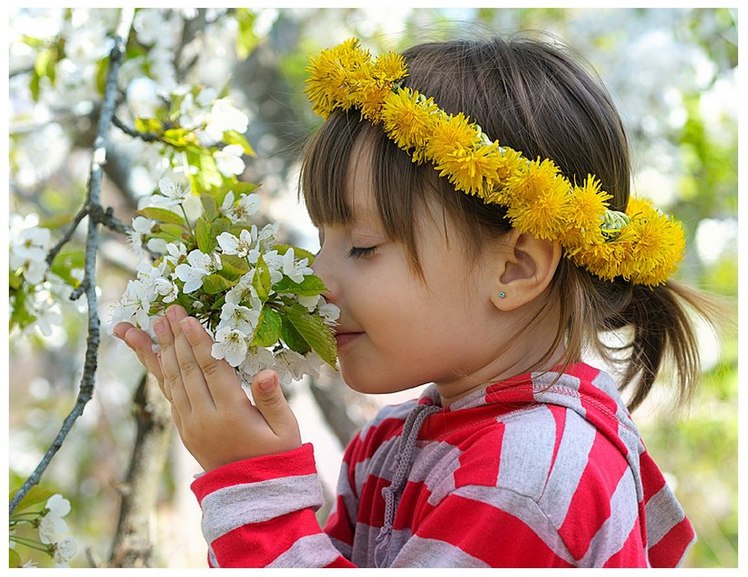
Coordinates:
641 245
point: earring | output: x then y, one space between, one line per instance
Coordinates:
502 294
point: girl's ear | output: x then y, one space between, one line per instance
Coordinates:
525 268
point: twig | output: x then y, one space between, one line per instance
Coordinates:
85 391
144 136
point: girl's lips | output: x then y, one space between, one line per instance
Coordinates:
344 339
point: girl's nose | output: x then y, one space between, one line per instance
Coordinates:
323 269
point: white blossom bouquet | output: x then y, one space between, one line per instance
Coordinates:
259 299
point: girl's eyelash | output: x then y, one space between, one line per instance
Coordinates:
361 251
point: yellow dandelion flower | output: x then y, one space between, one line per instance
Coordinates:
450 134
589 203
467 168
658 247
408 120
531 179
371 96
546 215
390 67
333 75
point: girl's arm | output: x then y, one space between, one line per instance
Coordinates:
260 512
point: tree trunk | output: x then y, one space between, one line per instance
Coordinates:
133 546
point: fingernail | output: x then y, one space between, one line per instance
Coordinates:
265 381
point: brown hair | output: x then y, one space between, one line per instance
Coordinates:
532 96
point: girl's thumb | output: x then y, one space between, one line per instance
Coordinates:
270 401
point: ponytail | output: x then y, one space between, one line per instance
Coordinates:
656 325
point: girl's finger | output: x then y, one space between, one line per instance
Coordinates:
221 379
170 367
193 379
140 342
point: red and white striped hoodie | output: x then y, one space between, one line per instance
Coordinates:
535 471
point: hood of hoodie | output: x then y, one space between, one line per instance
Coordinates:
588 391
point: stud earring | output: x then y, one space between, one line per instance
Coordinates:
502 294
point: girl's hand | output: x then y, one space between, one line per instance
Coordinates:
216 421
140 342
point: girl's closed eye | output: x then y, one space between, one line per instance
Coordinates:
362 251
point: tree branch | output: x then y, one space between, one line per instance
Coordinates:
85 390
132 546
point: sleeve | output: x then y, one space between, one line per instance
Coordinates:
260 512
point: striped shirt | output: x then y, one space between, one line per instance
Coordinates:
540 470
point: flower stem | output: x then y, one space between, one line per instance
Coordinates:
30 543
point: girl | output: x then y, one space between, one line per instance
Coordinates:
487 277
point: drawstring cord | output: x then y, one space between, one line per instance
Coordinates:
393 492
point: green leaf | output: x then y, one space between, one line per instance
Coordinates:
102 69
246 39
299 253
314 331
210 208
261 281
268 329
241 188
220 225
234 267
207 177
149 125
15 280
179 137
35 496
310 286
206 242
20 315
34 85
291 336
67 261
162 215
14 559
235 137
170 231
215 283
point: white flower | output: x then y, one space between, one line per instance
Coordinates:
58 506
329 313
240 318
142 97
141 228
200 265
229 159
310 302
248 206
29 246
243 293
47 312
266 237
52 529
239 246
287 265
290 365
65 550
231 345
149 26
177 253
257 358
166 289
224 116
135 304
173 190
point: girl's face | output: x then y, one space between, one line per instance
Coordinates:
397 330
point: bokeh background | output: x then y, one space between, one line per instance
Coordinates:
672 72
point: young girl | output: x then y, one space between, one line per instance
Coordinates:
477 234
